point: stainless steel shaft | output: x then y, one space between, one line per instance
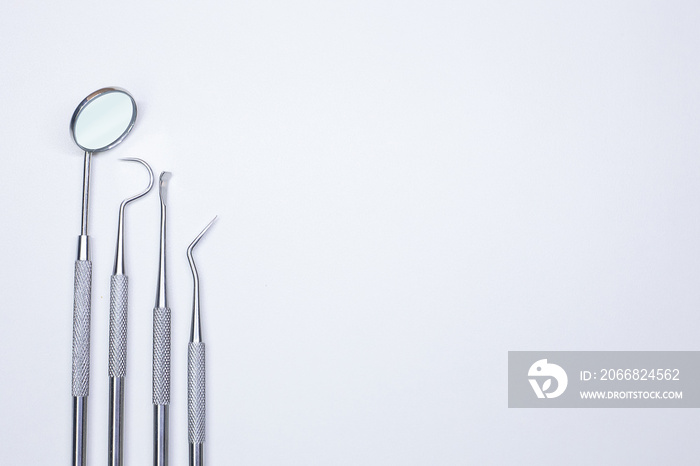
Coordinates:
161 384
82 299
82 294
196 401
118 315
161 344
196 387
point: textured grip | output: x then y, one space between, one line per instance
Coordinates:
195 392
118 310
81 327
161 356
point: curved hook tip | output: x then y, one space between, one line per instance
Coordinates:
150 179
199 236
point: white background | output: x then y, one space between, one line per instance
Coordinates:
406 191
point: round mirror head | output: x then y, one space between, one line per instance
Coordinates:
103 119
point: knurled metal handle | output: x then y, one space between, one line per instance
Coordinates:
118 313
161 356
81 327
195 392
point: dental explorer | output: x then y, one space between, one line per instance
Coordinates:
161 346
196 370
118 314
101 121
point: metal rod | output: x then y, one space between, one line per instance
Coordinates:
196 370
86 193
79 430
116 421
161 295
196 454
160 434
161 344
82 297
118 316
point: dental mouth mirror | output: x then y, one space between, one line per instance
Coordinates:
100 122
118 318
